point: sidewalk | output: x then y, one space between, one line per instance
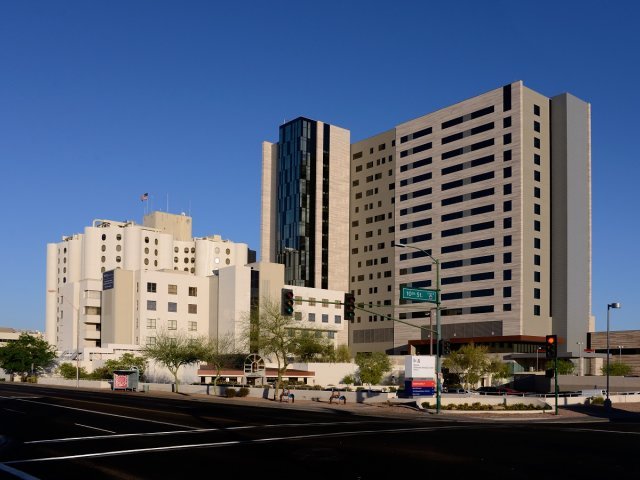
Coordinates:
409 409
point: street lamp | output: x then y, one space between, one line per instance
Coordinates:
607 402
620 347
438 368
580 344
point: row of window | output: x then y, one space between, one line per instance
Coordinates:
324 317
172 325
152 305
152 287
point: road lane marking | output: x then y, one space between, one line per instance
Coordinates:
15 411
177 432
114 453
95 428
110 414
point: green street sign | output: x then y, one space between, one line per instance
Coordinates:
419 295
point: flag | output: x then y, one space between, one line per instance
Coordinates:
144 196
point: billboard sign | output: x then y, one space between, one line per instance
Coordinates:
419 366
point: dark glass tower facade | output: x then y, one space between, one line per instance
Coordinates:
296 200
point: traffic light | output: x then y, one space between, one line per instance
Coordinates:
551 346
549 373
349 306
287 302
445 347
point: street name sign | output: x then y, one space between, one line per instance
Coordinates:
419 295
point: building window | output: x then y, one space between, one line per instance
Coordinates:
506 257
506 292
193 308
536 243
172 307
506 307
297 315
506 122
507 172
536 208
506 275
536 159
192 326
507 206
151 305
325 318
506 139
536 175
536 293
193 291
151 287
536 142
337 319
536 259
151 323
536 110
536 225
507 155
536 310
507 240
536 192
172 289
151 341
312 302
536 126
536 277
312 317
331 335
172 324
506 189
506 222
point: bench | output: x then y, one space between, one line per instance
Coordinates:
285 396
337 397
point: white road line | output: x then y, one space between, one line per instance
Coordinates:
597 430
16 473
177 432
95 428
15 411
110 414
114 453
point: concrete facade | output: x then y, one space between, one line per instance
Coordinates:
475 184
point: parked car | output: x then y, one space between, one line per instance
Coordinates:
497 391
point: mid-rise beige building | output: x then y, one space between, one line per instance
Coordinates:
497 189
76 265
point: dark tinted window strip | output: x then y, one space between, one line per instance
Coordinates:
506 98
467 133
477 114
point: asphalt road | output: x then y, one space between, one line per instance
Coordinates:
56 433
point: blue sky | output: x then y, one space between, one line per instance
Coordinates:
102 101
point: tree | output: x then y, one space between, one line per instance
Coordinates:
26 354
173 351
68 371
270 333
372 366
617 369
309 348
126 362
565 367
216 352
472 362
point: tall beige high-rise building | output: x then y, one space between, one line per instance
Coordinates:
497 189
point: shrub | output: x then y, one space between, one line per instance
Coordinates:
597 401
243 392
230 392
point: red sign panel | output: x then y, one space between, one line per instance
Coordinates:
120 381
423 383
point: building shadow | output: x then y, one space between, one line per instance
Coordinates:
615 413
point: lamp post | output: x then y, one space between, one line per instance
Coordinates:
580 344
438 368
607 402
620 347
